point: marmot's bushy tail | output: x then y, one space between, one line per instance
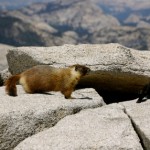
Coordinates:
11 85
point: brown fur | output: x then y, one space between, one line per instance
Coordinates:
42 78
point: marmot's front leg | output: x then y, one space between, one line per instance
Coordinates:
67 93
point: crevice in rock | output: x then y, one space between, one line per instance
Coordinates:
136 130
114 86
52 121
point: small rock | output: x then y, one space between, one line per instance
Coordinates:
5 74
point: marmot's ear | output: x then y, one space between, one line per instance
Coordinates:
76 68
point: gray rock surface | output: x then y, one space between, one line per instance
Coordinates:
48 121
105 128
106 57
117 70
139 114
27 114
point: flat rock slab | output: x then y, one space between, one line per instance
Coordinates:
140 116
108 57
105 128
27 114
119 73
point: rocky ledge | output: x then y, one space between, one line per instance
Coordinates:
119 73
48 121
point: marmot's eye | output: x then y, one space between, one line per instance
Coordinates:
88 70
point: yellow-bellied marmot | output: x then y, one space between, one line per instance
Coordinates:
43 78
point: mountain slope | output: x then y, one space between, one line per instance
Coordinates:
16 32
124 10
72 22
74 14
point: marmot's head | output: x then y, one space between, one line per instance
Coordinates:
82 69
